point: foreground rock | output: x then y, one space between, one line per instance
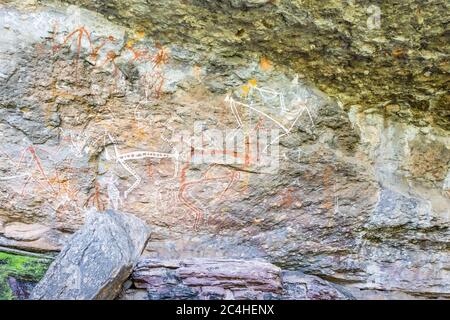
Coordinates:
96 260
217 279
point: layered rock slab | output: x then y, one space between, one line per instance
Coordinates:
230 279
96 260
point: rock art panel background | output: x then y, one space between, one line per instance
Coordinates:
224 157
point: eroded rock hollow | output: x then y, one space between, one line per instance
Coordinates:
312 135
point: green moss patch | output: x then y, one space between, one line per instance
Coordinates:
22 268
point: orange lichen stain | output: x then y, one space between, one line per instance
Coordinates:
265 64
246 87
140 35
399 53
252 82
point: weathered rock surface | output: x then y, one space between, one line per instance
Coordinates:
96 260
374 54
217 279
360 194
20 289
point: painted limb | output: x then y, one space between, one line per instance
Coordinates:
285 134
134 174
177 163
232 104
304 105
34 158
273 94
40 168
282 104
75 147
116 151
336 206
310 116
197 212
114 194
108 157
265 115
236 114
138 117
22 156
24 185
125 166
69 36
234 176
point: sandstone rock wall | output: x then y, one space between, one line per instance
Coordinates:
119 109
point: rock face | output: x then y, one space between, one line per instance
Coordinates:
96 260
220 139
374 54
217 279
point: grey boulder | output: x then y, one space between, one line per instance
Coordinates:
96 260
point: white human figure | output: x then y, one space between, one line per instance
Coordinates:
113 192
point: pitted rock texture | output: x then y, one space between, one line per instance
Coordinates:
217 279
92 111
96 260
374 54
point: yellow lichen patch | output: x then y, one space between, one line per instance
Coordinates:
265 64
139 35
130 43
245 90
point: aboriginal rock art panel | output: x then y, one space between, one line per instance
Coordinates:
120 149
